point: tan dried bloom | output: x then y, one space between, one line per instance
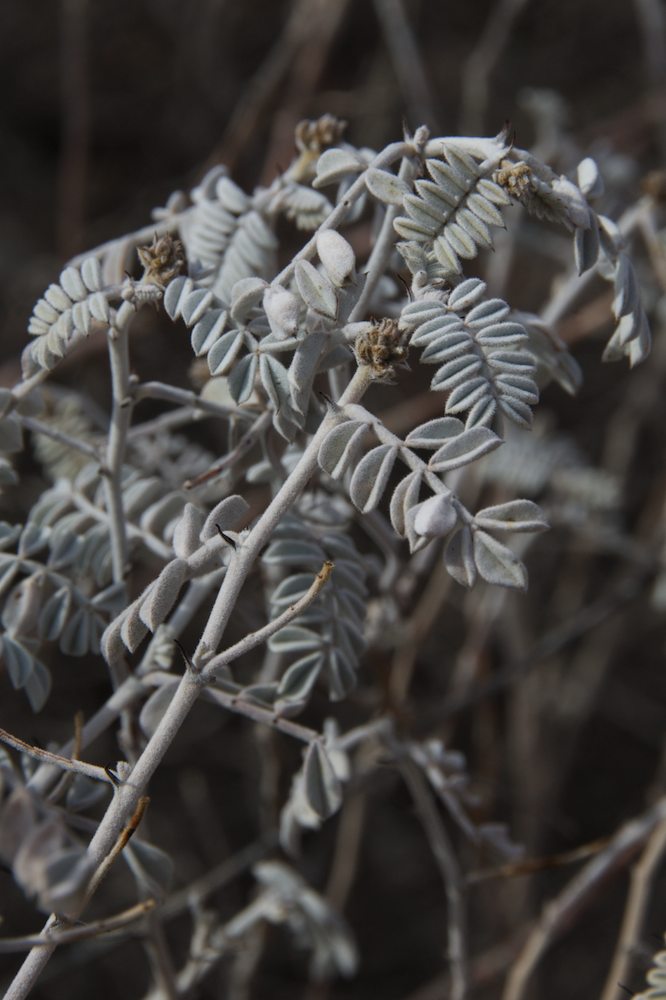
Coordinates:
162 260
315 135
382 348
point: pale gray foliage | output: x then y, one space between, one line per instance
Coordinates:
327 639
119 548
71 305
316 926
449 219
484 365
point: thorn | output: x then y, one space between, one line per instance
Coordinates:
405 284
112 776
181 649
329 402
227 538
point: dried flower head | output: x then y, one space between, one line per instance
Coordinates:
547 196
383 349
516 178
315 135
163 260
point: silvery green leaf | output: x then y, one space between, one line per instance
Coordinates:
474 227
405 496
341 674
155 707
385 186
9 534
429 215
17 660
336 255
78 635
518 387
442 342
516 515
8 476
185 539
586 247
335 164
516 362
9 569
498 564
316 290
154 867
275 380
162 594
245 295
452 185
226 514
260 694
11 435
112 599
231 195
54 614
492 191
297 682
295 552
175 293
447 255
371 476
65 549
139 494
321 785
83 792
241 379
207 331
22 605
457 371
464 396
339 355
99 307
304 367
460 241
459 557
421 311
517 411
224 352
486 313
294 639
71 281
340 446
159 515
91 272
291 589
433 433
484 209
610 236
306 207
62 880
409 229
468 293
57 297
500 335
465 448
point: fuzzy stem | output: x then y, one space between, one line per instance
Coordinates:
244 557
120 422
127 797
